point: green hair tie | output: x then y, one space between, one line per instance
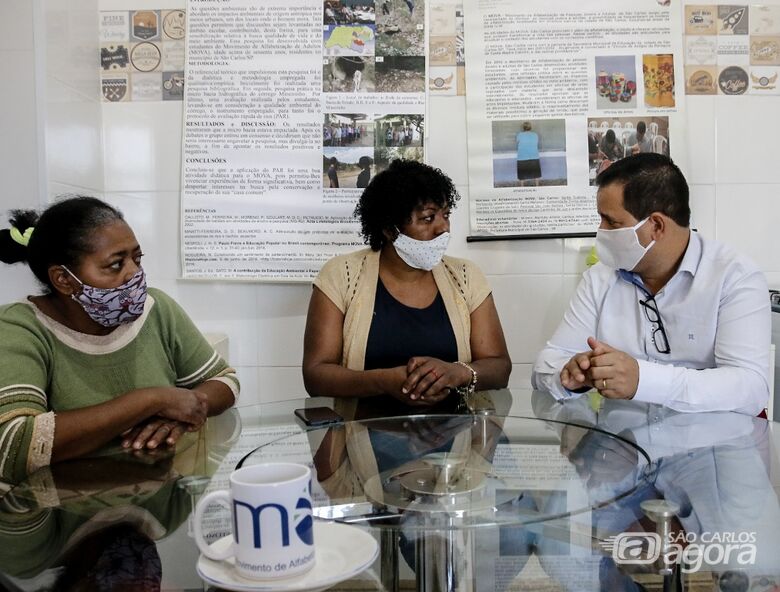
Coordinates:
22 238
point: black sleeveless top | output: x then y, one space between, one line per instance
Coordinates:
399 332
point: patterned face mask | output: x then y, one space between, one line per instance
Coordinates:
111 307
421 254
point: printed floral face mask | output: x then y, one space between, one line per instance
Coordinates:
112 307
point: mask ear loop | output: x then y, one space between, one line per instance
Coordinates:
73 275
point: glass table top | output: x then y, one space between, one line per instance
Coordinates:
537 489
475 470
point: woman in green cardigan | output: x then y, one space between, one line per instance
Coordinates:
97 355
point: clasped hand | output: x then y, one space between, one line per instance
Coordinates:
426 381
612 372
183 410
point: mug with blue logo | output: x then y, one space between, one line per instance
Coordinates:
273 527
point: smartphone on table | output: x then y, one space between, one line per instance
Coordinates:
318 416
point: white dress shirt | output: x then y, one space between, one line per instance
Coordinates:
716 313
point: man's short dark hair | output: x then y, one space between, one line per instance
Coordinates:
641 127
651 183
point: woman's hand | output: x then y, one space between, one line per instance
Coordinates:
429 380
183 405
154 432
393 383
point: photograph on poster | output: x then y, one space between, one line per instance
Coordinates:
615 82
529 152
701 80
732 20
348 40
658 72
400 74
342 166
765 20
400 27
145 25
384 155
348 75
348 12
613 138
394 131
348 129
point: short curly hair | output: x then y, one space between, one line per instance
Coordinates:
392 195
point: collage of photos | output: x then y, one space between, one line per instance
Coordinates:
616 81
529 153
142 55
446 50
356 146
373 46
732 49
613 138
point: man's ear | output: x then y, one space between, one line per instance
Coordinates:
659 225
62 281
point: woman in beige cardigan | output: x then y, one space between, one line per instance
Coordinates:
399 318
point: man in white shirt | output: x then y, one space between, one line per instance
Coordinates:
666 317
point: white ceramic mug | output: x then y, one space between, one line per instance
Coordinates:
273 527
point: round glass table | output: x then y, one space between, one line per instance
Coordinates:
427 483
521 493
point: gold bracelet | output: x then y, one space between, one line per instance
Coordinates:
472 385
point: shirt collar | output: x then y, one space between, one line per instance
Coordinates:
692 258
689 263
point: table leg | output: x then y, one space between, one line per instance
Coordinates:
388 568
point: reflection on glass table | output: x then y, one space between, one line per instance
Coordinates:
573 502
440 489
99 523
520 493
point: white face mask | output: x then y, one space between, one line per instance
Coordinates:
620 248
421 254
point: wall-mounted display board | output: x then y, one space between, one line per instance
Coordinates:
142 55
732 49
447 49
290 109
557 91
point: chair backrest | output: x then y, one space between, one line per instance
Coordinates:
604 125
617 126
660 145
624 140
592 125
628 125
652 128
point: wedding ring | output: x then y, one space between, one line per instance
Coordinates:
603 384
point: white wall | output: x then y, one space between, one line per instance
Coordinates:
73 125
49 110
733 170
19 143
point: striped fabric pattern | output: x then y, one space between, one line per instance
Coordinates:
45 368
